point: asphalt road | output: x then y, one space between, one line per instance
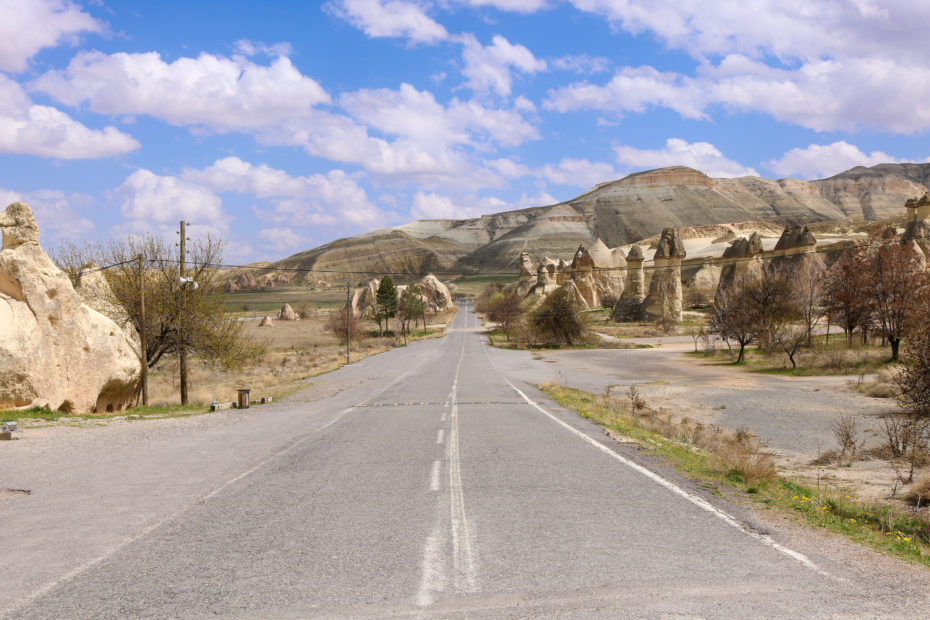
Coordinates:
437 483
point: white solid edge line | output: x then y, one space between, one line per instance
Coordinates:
674 488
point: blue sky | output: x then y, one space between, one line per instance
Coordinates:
281 126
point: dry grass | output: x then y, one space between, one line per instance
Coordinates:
735 455
297 350
919 494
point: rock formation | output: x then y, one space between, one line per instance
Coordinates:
362 297
436 293
527 277
266 322
796 249
609 271
582 278
94 289
266 280
545 282
54 347
630 305
917 228
741 260
287 314
663 303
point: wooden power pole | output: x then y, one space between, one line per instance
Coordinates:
348 318
182 352
143 351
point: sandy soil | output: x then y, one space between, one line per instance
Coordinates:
792 415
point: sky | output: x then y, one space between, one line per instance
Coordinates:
280 126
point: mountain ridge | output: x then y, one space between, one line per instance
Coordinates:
617 212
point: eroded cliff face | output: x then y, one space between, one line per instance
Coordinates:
618 213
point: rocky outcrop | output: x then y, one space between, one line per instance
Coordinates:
609 270
436 293
663 303
743 259
545 282
94 289
795 249
266 322
527 277
917 228
630 305
287 314
53 346
364 296
582 278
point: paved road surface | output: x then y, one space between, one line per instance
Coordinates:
436 484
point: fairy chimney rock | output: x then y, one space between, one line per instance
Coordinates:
630 305
795 240
663 303
53 346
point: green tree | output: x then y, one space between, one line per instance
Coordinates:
385 302
411 306
557 318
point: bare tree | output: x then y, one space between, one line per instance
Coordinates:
846 292
177 316
898 290
506 310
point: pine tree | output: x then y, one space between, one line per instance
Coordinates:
385 301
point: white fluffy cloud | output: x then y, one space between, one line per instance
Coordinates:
152 202
283 239
48 132
633 89
824 160
841 65
517 6
57 213
211 91
417 116
582 63
27 26
315 199
701 156
438 206
785 29
488 68
393 18
578 172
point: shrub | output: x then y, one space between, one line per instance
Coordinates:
557 319
66 406
920 492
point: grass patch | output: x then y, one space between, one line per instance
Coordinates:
46 414
716 458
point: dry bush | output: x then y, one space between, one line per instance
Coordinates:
836 359
609 300
827 457
907 445
846 432
738 455
919 494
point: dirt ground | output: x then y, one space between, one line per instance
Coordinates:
791 415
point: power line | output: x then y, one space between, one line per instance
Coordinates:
717 261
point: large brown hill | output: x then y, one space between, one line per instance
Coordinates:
618 212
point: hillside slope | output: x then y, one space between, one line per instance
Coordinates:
617 212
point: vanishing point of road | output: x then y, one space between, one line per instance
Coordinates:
430 481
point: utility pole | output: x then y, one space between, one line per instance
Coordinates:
143 350
182 353
348 318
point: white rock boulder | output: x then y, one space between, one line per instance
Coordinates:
53 347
